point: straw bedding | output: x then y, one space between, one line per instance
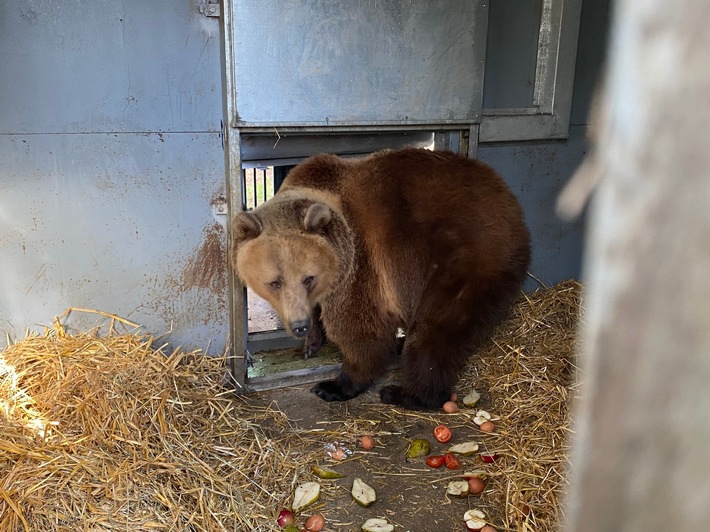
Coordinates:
105 431
109 433
530 372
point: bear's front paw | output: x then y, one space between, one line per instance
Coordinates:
331 391
311 349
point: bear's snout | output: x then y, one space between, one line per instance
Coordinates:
299 328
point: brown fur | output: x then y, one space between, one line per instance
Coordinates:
427 241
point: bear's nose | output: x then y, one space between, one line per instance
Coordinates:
299 328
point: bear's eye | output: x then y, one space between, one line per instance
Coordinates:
275 284
308 281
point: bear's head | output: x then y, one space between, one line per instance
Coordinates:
292 253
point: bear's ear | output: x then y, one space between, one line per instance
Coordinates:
316 218
246 226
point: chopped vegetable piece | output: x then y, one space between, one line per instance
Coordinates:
442 433
435 460
325 472
457 488
451 461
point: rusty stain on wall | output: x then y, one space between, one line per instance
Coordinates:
207 267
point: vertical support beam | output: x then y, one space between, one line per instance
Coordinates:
233 185
472 150
469 147
547 52
642 445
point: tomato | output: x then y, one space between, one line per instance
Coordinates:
442 433
435 460
451 461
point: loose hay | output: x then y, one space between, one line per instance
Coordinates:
106 432
529 370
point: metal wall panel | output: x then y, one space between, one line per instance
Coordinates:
110 159
271 149
339 62
120 223
547 115
86 66
536 174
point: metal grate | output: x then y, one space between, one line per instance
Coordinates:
258 186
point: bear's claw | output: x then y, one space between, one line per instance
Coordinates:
316 336
309 351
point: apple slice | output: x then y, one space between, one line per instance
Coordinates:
466 448
489 458
471 399
325 472
480 473
481 417
474 519
363 494
305 495
377 525
457 488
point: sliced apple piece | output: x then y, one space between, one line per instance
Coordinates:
363 494
471 399
325 472
305 495
481 417
457 488
466 448
474 519
377 525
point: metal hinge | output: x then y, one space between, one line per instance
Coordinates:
209 10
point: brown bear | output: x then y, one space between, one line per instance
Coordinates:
424 241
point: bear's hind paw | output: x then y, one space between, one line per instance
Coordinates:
391 395
332 391
397 395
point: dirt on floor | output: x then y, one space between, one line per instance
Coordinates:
410 495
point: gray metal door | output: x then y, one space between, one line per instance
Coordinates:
343 63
